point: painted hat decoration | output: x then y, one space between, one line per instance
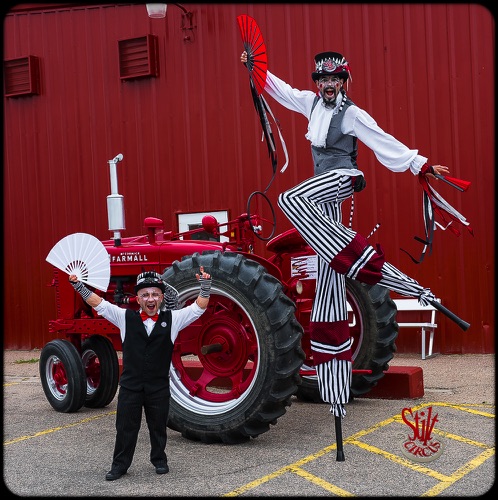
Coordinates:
331 63
149 279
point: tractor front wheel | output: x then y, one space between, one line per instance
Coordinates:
62 376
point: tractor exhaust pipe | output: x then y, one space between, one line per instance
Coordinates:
115 203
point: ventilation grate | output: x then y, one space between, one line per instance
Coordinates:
138 57
22 76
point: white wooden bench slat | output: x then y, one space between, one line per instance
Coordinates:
427 325
413 305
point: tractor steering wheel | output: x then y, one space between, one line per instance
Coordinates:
257 229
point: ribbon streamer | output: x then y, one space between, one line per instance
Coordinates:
434 204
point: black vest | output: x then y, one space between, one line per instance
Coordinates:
146 358
340 150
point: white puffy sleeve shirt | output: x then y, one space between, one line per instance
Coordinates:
388 150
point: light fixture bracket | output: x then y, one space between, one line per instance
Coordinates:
159 11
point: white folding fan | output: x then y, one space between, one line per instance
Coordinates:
85 256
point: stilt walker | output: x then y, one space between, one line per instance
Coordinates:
314 207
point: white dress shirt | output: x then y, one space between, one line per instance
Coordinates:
356 122
180 318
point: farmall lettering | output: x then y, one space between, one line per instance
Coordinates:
129 257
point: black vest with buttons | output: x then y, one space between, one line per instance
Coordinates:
146 358
340 150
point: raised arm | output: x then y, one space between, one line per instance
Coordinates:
92 299
205 290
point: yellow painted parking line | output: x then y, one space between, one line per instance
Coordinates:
475 412
60 428
399 460
462 439
256 483
8 384
444 480
320 482
295 468
460 473
469 408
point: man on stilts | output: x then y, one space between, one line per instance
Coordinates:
314 208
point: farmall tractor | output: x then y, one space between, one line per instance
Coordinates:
235 369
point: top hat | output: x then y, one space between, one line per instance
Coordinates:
330 63
149 279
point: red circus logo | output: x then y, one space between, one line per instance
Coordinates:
420 445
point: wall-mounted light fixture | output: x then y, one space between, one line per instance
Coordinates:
158 11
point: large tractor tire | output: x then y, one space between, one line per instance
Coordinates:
374 330
235 369
62 376
100 362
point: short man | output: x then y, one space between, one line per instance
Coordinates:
147 336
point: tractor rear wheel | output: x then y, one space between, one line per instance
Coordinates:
235 369
100 362
374 331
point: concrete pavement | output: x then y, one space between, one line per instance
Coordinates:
47 453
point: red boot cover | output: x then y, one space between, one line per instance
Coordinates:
370 273
345 259
353 255
330 340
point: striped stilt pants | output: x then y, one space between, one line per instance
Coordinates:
314 208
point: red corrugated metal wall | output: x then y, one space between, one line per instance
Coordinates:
191 139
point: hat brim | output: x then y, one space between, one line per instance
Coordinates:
340 74
149 285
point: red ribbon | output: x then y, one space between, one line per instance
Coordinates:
464 185
431 209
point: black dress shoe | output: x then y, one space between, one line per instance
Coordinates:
162 469
112 475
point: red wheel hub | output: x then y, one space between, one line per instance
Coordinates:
60 377
92 371
217 356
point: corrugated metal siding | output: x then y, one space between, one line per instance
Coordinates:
191 138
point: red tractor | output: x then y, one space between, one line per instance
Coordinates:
235 369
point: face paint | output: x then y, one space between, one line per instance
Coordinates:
329 87
150 300
332 79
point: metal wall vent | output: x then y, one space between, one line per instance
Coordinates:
21 76
138 57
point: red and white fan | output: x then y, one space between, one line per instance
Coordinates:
254 45
85 256
257 65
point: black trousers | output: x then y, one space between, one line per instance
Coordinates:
129 420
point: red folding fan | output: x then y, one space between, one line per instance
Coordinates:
254 45
257 64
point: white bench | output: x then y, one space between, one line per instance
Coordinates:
413 305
